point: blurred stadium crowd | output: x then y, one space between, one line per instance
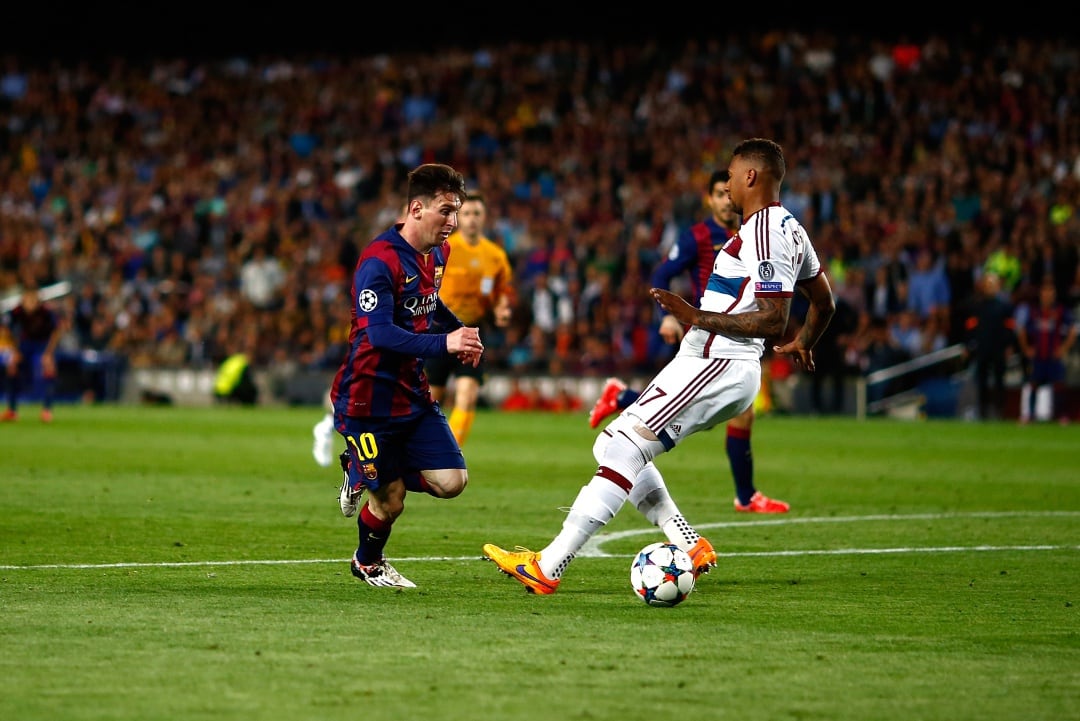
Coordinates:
201 207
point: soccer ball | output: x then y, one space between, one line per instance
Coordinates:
662 574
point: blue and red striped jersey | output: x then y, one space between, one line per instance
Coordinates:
32 329
693 252
396 307
1046 329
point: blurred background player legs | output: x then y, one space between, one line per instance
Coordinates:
325 436
747 498
477 286
616 396
467 382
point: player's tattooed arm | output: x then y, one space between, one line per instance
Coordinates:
768 321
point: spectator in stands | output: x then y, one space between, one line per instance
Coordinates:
906 332
262 278
928 287
883 293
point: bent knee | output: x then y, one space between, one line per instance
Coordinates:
447 482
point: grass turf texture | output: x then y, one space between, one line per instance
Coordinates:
928 570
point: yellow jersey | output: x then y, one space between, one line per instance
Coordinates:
475 278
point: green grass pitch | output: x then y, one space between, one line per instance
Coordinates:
175 563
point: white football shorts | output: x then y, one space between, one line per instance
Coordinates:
693 394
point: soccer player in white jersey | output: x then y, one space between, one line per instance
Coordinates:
714 376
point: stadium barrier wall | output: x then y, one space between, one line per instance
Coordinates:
946 396
308 388
185 387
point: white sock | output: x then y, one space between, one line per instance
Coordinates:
595 505
651 497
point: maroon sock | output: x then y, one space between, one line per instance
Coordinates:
373 536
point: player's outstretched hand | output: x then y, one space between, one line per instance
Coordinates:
674 304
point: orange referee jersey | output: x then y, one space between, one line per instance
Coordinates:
475 277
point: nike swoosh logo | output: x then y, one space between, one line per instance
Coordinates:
410 278
521 571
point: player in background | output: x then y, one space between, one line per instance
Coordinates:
478 288
325 434
396 437
30 360
1046 331
714 376
693 254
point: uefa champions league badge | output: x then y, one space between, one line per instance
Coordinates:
367 300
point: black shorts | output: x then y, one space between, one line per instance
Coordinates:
439 370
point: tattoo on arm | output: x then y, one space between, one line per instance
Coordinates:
768 321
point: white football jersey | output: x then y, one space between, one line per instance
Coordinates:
766 258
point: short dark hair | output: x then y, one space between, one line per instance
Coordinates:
431 179
477 196
765 151
718 176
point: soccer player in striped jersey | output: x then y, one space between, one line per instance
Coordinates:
30 361
478 288
1046 331
693 254
713 377
395 435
